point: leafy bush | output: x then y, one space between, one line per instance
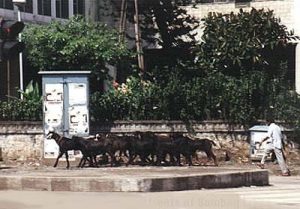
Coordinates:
237 100
233 99
74 45
258 42
227 98
133 100
28 109
230 79
20 110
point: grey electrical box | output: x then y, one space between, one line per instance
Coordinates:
257 133
65 105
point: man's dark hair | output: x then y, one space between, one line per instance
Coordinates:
270 119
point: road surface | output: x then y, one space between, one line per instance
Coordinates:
284 193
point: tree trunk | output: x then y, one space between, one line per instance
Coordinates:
122 25
138 38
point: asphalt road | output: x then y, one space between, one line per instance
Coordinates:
164 200
284 193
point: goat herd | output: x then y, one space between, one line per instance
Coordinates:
152 149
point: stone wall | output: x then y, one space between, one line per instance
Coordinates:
218 131
23 141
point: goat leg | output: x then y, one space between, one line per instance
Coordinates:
211 155
82 161
189 159
93 161
132 156
67 159
57 159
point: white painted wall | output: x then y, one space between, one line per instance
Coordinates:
296 17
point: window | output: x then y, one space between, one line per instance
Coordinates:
62 9
44 7
78 7
27 7
6 4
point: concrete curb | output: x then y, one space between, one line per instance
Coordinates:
134 183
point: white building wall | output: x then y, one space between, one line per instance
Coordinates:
296 16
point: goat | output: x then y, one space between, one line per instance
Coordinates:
188 147
165 145
142 144
93 148
82 144
118 143
65 144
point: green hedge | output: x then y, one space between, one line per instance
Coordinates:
29 108
217 96
20 110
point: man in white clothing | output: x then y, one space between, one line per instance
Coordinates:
274 143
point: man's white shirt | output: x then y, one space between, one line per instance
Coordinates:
275 134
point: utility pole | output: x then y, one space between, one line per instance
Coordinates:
8 78
18 4
20 57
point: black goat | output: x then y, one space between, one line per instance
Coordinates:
188 147
165 145
144 145
65 144
91 148
82 144
121 144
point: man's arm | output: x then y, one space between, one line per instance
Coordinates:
264 139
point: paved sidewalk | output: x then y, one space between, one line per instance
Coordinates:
130 179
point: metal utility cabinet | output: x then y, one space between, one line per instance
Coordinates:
257 133
65 105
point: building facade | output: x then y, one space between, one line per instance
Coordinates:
35 11
43 11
